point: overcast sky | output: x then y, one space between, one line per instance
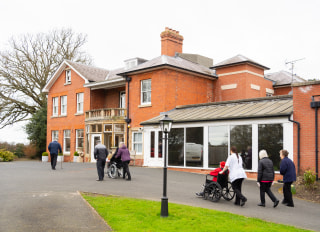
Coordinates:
271 32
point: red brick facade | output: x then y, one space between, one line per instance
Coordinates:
171 87
72 121
305 115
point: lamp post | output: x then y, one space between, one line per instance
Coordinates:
165 126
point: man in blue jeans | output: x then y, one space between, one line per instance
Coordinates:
288 170
54 149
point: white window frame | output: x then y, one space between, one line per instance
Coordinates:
147 91
55 106
135 143
64 141
80 97
55 135
68 76
64 103
78 137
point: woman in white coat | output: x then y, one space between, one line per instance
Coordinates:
236 175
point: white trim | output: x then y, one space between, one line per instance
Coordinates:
238 72
57 74
255 87
271 91
231 86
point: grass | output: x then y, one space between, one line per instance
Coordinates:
128 214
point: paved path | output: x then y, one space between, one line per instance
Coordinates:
35 198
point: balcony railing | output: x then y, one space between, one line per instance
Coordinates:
106 114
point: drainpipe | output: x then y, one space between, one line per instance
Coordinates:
128 119
298 153
316 104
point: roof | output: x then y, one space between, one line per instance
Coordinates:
87 72
283 78
173 62
230 110
91 73
238 59
112 80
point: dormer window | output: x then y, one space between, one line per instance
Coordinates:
68 76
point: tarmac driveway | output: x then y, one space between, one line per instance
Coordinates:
35 198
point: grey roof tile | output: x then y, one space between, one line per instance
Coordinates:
238 59
241 109
89 72
283 78
176 62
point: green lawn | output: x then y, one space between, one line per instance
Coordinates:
128 214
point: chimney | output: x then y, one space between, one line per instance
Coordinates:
171 42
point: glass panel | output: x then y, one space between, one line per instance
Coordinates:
152 144
176 147
137 137
108 128
160 145
80 139
194 147
270 138
119 127
241 137
66 141
218 145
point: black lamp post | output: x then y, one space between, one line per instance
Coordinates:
165 126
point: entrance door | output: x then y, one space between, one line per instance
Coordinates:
94 140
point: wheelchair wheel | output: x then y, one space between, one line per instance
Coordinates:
113 171
213 192
228 192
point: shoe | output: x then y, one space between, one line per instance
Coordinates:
98 180
53 169
128 179
284 202
262 205
275 204
290 205
237 203
199 194
243 202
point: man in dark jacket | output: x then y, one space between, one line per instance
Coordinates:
100 154
124 153
54 149
265 178
288 170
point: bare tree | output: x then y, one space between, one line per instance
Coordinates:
26 66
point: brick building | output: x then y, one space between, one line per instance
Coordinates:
213 107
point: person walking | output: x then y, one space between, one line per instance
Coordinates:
288 170
236 175
54 149
265 178
100 155
124 153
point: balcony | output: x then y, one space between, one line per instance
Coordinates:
113 114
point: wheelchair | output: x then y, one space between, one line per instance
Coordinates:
115 169
215 190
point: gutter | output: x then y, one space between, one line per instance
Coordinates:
128 119
298 153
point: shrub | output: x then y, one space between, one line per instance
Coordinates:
45 153
75 153
30 151
6 156
309 178
60 154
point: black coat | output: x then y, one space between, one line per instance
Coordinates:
265 170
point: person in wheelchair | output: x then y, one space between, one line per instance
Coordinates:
215 174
